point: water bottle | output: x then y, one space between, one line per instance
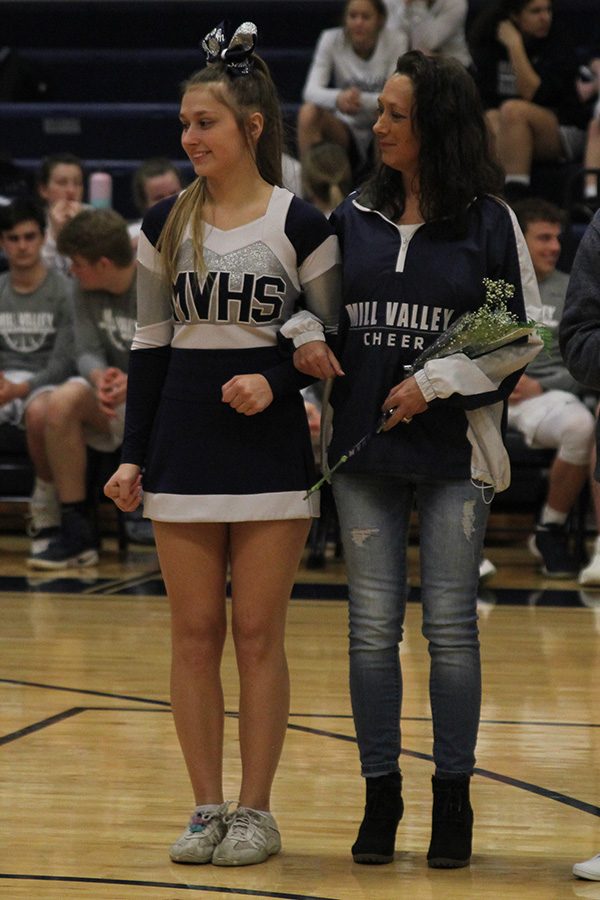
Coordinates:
100 190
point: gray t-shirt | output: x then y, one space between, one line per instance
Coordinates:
36 329
548 366
104 328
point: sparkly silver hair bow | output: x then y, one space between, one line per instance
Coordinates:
237 54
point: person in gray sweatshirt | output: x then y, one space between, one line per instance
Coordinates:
579 336
89 410
36 355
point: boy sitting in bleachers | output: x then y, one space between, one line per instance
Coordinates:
36 349
546 406
89 410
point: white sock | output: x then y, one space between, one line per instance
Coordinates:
44 505
518 179
552 516
590 191
43 489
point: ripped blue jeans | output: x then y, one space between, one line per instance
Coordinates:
374 513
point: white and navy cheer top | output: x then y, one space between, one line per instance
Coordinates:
202 460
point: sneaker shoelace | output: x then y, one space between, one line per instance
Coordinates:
241 825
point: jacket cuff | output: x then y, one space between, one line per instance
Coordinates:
425 386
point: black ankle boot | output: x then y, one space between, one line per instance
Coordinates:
383 810
452 824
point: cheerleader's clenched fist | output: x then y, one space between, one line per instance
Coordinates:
125 487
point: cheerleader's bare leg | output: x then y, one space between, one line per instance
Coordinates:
264 560
193 559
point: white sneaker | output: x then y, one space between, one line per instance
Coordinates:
591 573
589 869
206 829
486 568
251 838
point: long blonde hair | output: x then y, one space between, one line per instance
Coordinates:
243 95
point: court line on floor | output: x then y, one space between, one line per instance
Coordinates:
126 587
38 726
580 805
171 885
123 583
86 691
302 715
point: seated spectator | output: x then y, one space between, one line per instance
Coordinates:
545 406
588 89
89 410
60 186
526 74
326 176
153 180
436 27
348 70
36 340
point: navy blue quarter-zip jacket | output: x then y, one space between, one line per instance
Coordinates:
403 286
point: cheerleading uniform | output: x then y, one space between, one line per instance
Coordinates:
202 460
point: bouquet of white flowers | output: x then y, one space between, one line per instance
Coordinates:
472 334
481 331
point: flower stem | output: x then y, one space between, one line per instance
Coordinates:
319 484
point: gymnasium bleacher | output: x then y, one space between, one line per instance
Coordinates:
108 74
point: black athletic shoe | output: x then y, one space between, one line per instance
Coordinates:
74 547
550 543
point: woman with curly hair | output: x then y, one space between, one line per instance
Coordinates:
434 229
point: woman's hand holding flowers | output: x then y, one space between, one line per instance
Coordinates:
406 401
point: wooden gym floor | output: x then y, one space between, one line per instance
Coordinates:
94 790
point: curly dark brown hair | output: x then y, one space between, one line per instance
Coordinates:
455 161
